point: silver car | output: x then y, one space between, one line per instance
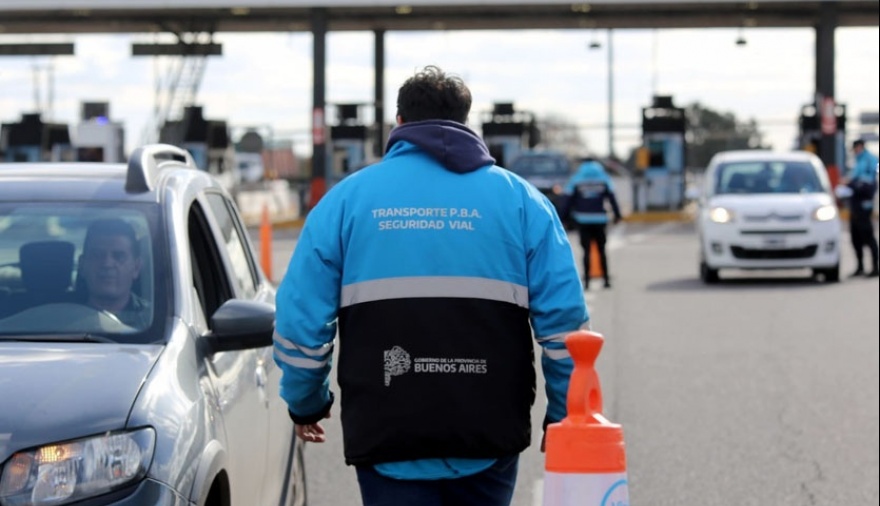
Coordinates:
136 341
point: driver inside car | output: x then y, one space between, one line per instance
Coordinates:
108 268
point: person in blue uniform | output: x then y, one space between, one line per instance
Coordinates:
586 195
430 273
862 180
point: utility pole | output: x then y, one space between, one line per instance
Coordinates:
610 97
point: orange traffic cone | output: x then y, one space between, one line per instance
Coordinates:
595 262
585 461
266 242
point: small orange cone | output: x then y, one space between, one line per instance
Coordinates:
585 462
595 262
266 242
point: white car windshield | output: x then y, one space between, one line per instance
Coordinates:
767 177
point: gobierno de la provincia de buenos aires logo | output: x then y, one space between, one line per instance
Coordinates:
399 362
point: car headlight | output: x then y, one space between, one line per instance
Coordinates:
67 472
720 215
825 213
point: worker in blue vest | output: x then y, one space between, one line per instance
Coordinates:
586 195
862 180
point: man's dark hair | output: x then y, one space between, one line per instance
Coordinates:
433 94
113 227
858 143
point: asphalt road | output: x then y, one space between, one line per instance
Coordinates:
760 390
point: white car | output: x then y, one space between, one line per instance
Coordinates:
766 210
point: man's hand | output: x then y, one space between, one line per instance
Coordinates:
312 433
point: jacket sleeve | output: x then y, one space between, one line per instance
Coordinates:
306 304
556 299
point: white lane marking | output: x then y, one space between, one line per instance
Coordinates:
590 297
538 493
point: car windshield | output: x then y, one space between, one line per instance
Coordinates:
767 177
78 269
540 165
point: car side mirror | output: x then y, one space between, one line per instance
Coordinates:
240 325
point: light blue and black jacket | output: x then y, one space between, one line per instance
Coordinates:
585 195
436 266
863 181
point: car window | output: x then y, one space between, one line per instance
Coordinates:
540 166
209 277
243 267
80 269
767 177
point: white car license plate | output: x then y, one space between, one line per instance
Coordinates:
774 242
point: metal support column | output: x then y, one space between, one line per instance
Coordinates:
825 80
379 92
610 97
319 68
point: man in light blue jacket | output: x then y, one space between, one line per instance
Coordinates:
438 269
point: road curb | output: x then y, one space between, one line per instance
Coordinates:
659 217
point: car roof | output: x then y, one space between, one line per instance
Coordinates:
747 155
137 180
41 181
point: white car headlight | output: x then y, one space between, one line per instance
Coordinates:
720 215
825 213
67 472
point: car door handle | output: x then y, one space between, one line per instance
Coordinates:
260 380
260 376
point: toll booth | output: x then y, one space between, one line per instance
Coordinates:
507 132
810 133
350 141
97 138
32 140
207 141
660 164
249 157
869 127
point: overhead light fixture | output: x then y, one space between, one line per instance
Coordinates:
583 8
403 10
740 38
240 11
594 42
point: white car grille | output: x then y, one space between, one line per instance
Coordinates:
760 218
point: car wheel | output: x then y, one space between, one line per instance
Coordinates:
830 275
708 274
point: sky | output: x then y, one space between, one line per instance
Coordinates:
264 80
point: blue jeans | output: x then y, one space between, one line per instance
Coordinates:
492 487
